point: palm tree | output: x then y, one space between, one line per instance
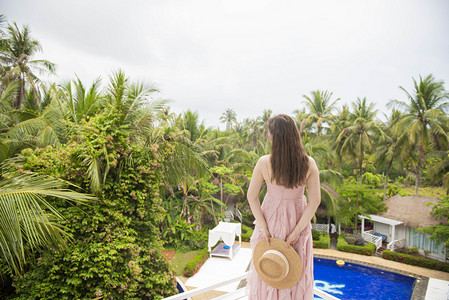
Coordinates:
228 117
78 101
393 146
425 119
16 53
7 120
266 115
320 108
39 125
357 138
27 220
339 123
2 21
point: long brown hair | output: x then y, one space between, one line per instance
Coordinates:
289 160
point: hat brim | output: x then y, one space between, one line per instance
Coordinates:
295 264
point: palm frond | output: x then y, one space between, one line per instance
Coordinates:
26 218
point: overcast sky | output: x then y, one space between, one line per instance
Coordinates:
248 55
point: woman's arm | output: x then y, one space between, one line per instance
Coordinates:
253 199
314 193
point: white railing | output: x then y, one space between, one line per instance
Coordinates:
371 238
238 294
323 228
395 244
238 214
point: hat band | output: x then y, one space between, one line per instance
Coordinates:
282 256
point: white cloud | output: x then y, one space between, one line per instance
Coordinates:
247 55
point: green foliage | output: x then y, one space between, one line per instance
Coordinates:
358 199
195 264
315 235
393 189
116 252
412 250
415 261
247 232
178 234
369 249
28 221
247 218
440 232
322 242
375 180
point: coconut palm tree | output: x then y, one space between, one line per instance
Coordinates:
2 25
38 126
439 171
339 123
266 115
228 117
394 145
425 119
7 120
16 58
80 102
357 138
320 107
27 220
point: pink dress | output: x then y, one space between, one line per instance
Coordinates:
282 209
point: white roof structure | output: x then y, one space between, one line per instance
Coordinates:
382 220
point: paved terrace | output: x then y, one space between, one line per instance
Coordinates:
437 287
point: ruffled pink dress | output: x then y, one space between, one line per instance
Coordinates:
282 209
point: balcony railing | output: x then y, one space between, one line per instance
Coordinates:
395 244
371 238
238 294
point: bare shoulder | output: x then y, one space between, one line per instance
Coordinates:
312 163
264 158
261 162
313 168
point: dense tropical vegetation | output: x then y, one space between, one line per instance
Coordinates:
97 179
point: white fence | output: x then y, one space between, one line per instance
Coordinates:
396 244
238 294
322 228
371 238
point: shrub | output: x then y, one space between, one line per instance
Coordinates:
323 242
350 240
315 235
116 248
180 235
354 239
193 266
415 260
412 250
247 232
247 218
369 249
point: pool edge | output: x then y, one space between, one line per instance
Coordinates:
419 287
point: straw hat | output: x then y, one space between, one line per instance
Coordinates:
277 265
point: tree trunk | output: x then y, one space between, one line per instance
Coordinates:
361 169
418 172
386 178
20 95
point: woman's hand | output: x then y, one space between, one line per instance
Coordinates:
265 234
292 238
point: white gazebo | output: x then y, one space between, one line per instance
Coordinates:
226 232
392 231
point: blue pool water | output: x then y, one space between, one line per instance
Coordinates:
353 281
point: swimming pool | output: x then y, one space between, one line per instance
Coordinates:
353 281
